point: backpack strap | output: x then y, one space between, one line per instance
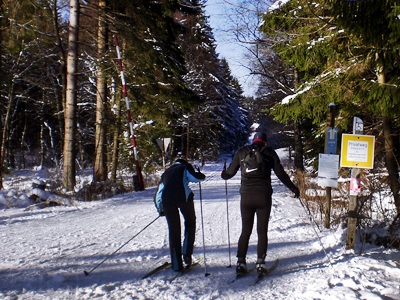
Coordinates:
264 152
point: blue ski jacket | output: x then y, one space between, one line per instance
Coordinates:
174 185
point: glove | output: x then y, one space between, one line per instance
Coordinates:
296 192
161 214
223 175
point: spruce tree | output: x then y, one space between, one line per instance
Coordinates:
376 24
220 123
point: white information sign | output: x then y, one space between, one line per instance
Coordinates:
328 166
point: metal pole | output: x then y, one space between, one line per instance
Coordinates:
128 109
202 229
315 224
227 218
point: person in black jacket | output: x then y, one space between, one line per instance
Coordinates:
174 195
256 198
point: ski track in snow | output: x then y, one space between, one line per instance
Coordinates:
44 253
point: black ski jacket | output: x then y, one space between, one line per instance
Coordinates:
174 184
258 185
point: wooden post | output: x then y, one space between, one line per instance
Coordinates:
328 205
352 215
358 128
328 189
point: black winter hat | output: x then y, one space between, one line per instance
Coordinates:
260 136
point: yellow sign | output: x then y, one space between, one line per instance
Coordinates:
357 151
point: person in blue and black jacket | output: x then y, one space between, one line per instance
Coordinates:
174 195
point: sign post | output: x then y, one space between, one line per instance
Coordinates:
357 152
330 148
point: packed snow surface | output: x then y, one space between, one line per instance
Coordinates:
44 252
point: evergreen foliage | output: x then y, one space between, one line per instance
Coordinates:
221 121
344 52
175 81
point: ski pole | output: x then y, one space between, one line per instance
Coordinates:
227 218
202 229
87 273
314 224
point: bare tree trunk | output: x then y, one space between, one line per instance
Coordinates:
5 150
1 84
391 162
42 146
298 146
115 151
100 167
1 159
392 165
60 94
69 170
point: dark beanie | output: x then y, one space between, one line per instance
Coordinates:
260 136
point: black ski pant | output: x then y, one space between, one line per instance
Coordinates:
174 231
252 204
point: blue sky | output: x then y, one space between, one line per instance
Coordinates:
219 19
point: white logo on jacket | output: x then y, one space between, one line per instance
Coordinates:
251 170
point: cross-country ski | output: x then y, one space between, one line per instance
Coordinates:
242 275
164 266
267 272
185 270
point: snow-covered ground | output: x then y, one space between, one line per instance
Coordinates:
44 252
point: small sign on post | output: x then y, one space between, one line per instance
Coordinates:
331 140
328 165
163 143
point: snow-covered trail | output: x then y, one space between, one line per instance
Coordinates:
44 253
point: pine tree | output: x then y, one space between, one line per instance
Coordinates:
376 23
344 52
322 58
220 123
154 68
28 57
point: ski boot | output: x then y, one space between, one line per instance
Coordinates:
188 260
241 269
261 269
